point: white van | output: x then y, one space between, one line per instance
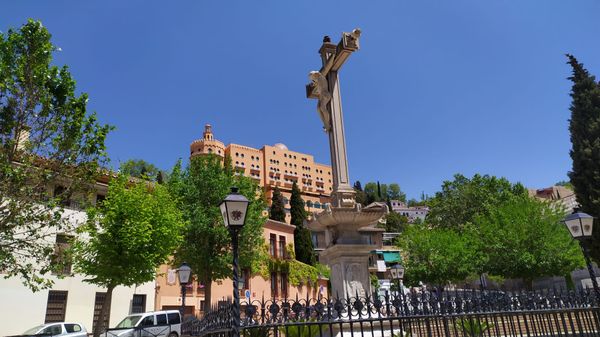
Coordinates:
149 324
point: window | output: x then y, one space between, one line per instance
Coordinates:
315 240
246 278
138 304
56 307
72 328
97 307
272 245
286 201
52 330
281 246
100 199
61 261
60 192
147 321
161 319
174 317
284 285
274 285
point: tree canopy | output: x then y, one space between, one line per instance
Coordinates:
199 188
140 168
375 191
524 238
51 149
277 209
302 237
136 229
585 139
506 234
463 199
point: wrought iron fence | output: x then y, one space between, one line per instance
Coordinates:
449 314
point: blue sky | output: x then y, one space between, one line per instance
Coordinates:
438 87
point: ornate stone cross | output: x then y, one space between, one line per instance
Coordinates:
325 86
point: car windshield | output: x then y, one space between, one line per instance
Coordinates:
129 321
33 330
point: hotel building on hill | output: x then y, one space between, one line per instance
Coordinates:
273 166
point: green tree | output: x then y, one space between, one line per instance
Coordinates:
437 255
564 183
361 196
524 238
462 199
139 168
46 136
277 210
206 247
135 230
585 139
395 222
382 192
302 238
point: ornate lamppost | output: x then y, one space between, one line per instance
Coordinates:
184 273
580 226
397 272
233 209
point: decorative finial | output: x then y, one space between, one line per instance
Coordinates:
326 38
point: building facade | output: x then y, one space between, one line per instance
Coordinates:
411 212
273 166
279 238
70 298
557 194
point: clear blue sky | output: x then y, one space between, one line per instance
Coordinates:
439 87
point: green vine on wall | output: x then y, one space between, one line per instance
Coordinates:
298 273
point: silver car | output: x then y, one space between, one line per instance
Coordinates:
58 329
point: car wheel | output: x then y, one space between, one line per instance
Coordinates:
173 334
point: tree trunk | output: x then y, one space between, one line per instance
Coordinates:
207 295
100 328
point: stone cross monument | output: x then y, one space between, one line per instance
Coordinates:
347 226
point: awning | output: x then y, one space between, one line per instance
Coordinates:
391 257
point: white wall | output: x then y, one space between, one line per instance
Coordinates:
21 309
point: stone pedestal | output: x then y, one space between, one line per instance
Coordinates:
349 269
348 249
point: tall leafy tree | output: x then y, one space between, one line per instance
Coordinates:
395 222
462 199
437 255
135 230
585 138
139 168
277 209
47 138
524 238
302 238
376 191
199 189
361 196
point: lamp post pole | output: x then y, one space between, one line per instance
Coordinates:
590 267
236 292
183 294
233 208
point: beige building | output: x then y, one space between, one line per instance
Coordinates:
279 237
274 166
557 194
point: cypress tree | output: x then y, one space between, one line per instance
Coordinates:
585 138
277 210
361 196
302 237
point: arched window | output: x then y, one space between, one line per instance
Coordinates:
209 150
309 204
317 204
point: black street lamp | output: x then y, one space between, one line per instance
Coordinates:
397 272
233 209
580 226
184 273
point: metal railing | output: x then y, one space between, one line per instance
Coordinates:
449 314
